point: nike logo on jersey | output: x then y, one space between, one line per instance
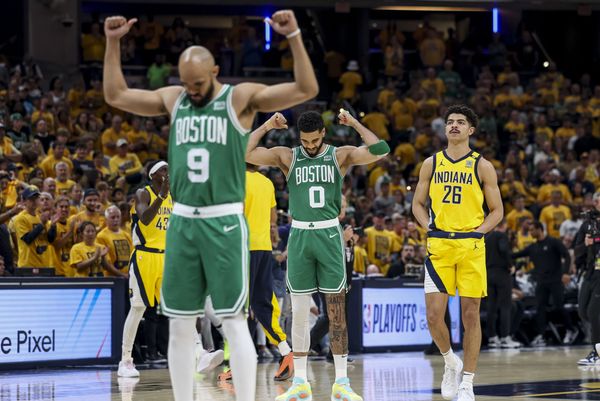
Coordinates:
301 159
332 235
186 106
229 228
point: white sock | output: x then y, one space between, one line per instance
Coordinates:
300 333
449 358
242 357
284 348
134 317
181 357
468 377
341 366
300 367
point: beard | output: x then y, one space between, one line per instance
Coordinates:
315 152
204 99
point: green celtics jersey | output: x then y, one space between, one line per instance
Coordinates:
207 150
315 185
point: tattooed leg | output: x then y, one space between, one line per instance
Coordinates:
338 332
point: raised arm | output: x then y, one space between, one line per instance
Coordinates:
492 196
278 97
374 150
278 156
419 204
145 210
116 92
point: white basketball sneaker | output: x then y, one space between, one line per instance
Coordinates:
451 379
209 361
465 392
127 369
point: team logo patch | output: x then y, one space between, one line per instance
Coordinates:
327 158
219 106
469 163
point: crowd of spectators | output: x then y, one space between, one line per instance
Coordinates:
67 158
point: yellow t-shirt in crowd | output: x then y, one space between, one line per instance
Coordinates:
553 217
403 112
349 81
260 199
377 122
564 132
37 253
406 152
63 188
545 193
93 47
49 162
98 220
380 244
436 84
514 218
60 257
361 259
82 252
130 162
385 99
120 247
109 135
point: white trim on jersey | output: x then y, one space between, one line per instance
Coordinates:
233 116
176 105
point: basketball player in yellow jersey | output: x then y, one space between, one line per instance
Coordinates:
152 210
457 181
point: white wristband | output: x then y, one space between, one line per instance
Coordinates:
295 33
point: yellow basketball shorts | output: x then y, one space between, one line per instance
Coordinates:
145 276
456 260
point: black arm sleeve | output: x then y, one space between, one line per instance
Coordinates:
33 234
52 233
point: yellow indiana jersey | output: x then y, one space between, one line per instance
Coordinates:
457 200
153 235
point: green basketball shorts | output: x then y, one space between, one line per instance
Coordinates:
206 254
316 260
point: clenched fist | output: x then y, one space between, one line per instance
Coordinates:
283 22
277 121
117 27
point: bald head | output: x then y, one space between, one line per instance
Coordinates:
198 74
197 55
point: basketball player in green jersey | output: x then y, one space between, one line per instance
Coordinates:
207 239
316 261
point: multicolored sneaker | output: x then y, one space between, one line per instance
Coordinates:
341 391
286 368
226 375
300 391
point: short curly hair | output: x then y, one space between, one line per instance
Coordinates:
465 111
310 121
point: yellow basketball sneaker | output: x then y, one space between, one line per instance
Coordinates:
341 391
300 391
